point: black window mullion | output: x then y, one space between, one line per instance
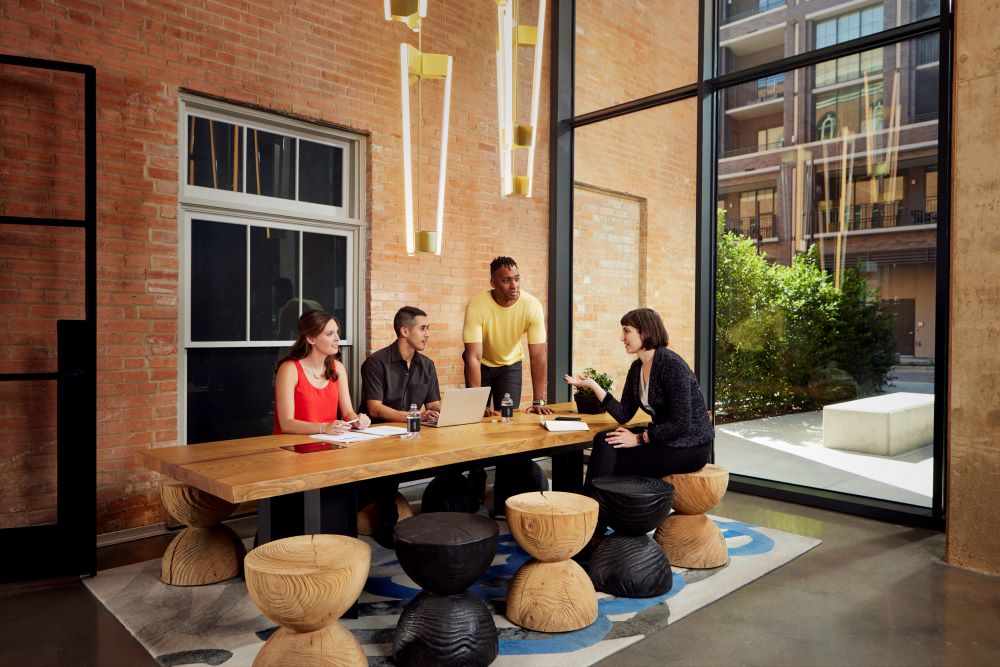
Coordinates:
810 58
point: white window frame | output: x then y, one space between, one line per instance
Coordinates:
195 202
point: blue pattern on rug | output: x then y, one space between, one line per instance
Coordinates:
219 624
492 589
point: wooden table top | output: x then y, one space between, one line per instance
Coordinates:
254 468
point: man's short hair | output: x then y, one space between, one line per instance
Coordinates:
649 325
405 317
502 261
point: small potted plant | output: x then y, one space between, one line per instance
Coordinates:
586 401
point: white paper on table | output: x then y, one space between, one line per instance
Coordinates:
554 425
382 431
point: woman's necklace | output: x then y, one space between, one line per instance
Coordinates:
317 376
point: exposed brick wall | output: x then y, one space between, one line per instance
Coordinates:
334 62
626 50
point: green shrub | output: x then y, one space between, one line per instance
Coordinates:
787 340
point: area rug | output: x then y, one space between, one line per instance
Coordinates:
219 624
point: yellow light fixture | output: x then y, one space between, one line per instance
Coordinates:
414 67
510 36
408 12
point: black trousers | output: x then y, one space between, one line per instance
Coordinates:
645 460
518 476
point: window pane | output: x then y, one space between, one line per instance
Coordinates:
230 392
215 153
626 50
324 275
271 168
274 278
321 177
218 281
752 33
633 232
836 303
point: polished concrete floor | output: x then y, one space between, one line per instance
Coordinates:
871 594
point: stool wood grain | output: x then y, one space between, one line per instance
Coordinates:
304 583
444 553
688 537
551 593
206 552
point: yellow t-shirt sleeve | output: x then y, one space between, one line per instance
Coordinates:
472 329
536 323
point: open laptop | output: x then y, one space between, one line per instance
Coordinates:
462 406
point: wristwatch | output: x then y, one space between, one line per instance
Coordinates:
538 403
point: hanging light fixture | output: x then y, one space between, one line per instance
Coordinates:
510 36
416 66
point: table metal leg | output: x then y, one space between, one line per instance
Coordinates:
567 471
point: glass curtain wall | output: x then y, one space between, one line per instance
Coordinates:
634 211
826 257
634 191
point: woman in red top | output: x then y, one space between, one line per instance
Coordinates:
311 384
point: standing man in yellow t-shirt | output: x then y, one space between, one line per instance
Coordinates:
495 321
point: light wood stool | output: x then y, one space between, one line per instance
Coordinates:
304 583
206 552
551 593
688 537
368 517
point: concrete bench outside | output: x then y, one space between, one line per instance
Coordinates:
886 425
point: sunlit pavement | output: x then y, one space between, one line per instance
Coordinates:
790 449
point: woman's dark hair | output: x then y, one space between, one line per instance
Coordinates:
649 325
311 325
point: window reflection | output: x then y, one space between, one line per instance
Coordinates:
215 153
826 271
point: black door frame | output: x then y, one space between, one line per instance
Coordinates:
68 547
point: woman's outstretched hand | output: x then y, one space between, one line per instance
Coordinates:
578 381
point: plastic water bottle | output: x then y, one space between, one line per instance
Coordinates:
506 409
413 422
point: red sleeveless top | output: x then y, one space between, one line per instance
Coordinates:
312 404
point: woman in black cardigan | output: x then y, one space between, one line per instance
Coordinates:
679 439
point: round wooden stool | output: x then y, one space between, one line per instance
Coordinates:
444 553
368 517
206 552
628 563
551 593
688 537
304 583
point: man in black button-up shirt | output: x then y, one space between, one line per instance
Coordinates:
398 376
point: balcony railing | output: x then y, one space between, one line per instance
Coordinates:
737 9
884 215
755 92
748 150
753 227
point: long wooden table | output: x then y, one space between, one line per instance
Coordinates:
317 492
